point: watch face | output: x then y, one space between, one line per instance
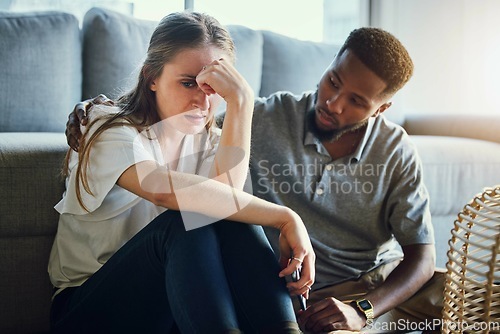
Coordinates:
364 304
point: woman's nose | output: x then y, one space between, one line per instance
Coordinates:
201 100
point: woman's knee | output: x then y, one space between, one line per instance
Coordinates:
240 232
169 221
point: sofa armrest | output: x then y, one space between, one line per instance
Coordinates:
485 127
30 186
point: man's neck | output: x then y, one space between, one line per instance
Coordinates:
346 144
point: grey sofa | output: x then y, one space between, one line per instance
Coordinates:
49 62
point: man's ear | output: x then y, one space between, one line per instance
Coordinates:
382 108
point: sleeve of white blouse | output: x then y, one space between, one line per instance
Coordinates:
115 150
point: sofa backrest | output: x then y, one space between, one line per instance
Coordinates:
41 76
114 47
47 66
293 65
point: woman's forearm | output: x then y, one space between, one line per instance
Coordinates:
219 200
233 155
188 192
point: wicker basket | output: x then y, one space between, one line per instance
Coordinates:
472 289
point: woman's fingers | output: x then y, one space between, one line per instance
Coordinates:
207 89
302 260
220 77
304 284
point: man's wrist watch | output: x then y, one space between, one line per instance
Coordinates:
365 306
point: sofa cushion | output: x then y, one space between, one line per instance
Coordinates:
30 182
41 74
114 47
248 44
456 169
293 65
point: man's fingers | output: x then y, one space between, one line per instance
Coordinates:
82 108
79 117
73 132
81 113
102 99
70 138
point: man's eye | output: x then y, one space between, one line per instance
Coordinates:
188 84
334 84
356 102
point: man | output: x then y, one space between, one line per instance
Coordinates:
356 180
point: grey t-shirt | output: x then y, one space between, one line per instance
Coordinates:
356 208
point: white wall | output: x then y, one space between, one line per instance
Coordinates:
455 45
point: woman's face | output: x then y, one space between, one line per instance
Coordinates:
180 101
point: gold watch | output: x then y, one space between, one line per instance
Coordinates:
365 306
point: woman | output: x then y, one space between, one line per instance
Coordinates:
121 262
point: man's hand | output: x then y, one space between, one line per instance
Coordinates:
330 314
79 116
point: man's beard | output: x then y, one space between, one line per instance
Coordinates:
330 135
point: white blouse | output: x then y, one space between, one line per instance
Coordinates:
85 240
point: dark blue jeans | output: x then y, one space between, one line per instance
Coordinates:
166 279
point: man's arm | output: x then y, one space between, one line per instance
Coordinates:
405 280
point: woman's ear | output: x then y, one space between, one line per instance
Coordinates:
145 76
152 86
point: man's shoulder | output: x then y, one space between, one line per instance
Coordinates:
392 141
389 131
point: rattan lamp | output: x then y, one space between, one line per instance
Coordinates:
472 289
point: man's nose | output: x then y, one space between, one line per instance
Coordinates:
334 104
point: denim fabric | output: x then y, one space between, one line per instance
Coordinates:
207 280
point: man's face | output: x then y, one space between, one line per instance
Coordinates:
348 94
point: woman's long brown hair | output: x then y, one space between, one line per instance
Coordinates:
174 33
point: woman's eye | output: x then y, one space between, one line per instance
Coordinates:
188 84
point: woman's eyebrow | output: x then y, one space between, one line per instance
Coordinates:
188 76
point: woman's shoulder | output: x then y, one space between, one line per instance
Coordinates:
99 115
